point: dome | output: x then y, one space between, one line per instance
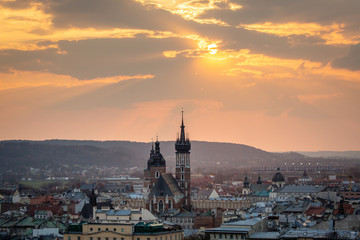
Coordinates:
278 177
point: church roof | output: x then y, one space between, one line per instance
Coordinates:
166 185
278 177
258 187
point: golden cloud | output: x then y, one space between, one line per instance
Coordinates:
23 79
332 34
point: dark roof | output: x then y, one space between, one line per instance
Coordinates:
87 211
246 182
166 185
278 177
156 158
258 187
259 180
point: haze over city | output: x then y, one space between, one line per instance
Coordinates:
276 75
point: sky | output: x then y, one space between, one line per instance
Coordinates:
280 75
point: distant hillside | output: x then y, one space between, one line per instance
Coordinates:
53 153
333 154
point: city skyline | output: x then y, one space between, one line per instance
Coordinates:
275 75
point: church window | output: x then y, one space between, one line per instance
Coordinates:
161 206
182 169
182 176
170 204
157 174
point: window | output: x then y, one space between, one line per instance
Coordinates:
114 229
157 174
69 238
91 229
182 176
107 230
182 169
106 238
122 230
114 238
78 238
99 229
122 238
231 236
99 238
220 236
91 238
138 239
147 238
160 205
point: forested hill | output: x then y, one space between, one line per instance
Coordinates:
52 153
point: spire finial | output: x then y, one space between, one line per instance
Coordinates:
182 117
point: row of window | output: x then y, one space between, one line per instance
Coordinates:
107 229
106 238
231 236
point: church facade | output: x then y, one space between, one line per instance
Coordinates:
167 192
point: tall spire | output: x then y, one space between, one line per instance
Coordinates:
182 143
182 133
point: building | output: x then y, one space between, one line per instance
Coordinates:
207 193
165 191
236 230
123 231
124 216
298 191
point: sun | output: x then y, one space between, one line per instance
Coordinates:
212 48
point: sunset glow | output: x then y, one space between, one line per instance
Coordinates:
212 48
124 69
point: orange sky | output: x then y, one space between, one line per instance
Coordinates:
276 75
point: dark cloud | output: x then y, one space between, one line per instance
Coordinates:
351 61
279 11
130 14
113 13
18 4
88 59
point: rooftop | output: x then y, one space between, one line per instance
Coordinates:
247 222
302 189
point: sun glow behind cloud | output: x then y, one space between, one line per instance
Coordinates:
332 34
227 74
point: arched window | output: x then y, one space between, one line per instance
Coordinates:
160 205
182 169
182 176
157 174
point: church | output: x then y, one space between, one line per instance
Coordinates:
167 192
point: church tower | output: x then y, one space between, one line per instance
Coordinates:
182 175
156 165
